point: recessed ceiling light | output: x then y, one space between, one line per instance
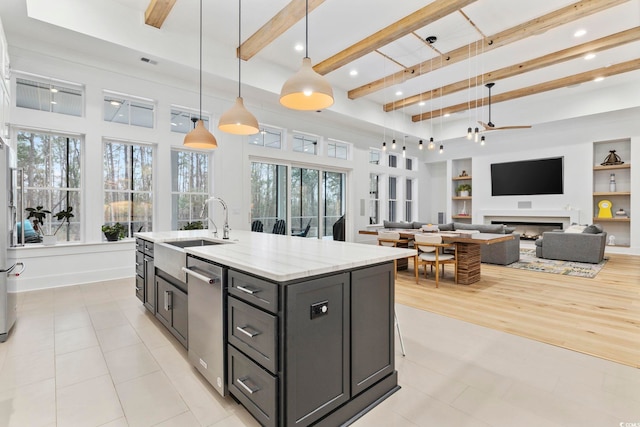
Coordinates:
447 115
115 103
398 93
299 47
54 90
589 56
421 103
581 32
353 73
598 79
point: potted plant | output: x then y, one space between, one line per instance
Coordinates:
195 225
39 215
114 232
464 190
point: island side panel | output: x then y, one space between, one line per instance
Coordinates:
372 321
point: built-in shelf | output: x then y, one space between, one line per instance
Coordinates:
596 219
461 198
461 206
612 167
461 178
612 193
460 216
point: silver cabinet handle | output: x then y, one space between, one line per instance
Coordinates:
242 380
167 300
247 290
138 289
202 277
245 330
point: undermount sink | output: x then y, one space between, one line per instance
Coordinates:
189 243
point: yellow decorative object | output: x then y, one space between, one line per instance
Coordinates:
605 209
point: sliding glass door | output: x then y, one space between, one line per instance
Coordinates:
316 200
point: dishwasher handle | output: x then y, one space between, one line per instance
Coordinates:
202 277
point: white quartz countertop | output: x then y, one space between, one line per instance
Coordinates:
281 258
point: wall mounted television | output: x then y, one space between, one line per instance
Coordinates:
528 177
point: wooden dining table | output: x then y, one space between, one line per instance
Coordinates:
468 246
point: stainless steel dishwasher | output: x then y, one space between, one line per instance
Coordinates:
206 283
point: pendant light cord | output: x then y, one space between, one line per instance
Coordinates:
306 24
200 59
239 44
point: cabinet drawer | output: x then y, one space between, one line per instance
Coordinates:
254 332
140 245
253 290
139 263
148 248
254 387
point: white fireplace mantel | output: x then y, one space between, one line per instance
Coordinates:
567 216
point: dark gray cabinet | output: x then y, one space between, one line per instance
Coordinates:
172 308
313 352
145 280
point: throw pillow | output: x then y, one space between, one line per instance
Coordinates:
593 229
509 230
392 224
575 228
445 227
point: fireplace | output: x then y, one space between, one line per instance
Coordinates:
529 230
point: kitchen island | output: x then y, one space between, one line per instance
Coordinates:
309 324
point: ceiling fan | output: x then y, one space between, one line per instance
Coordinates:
490 126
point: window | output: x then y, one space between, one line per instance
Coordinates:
305 144
393 161
409 164
374 199
393 202
338 150
408 204
128 110
189 188
49 95
181 120
334 188
267 137
52 177
268 194
374 157
128 190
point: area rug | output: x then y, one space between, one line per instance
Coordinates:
529 261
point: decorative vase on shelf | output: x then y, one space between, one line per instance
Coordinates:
463 212
612 183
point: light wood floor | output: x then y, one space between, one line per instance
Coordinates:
599 316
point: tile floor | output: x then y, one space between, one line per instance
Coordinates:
91 355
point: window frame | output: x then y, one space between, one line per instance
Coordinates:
54 86
112 97
193 114
305 137
194 196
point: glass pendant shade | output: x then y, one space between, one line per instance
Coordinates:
306 90
238 120
200 137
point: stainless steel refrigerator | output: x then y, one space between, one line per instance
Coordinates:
8 212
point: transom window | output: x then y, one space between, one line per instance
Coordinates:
338 150
128 185
182 120
267 137
305 144
50 95
393 196
128 110
374 157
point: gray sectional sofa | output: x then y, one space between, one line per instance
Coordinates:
502 253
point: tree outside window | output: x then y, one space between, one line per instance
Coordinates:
189 188
128 190
52 177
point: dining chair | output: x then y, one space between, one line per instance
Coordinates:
279 227
392 239
430 250
257 225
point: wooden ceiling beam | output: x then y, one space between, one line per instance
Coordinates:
588 76
420 18
519 32
276 26
157 12
608 42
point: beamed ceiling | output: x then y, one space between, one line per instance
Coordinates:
381 53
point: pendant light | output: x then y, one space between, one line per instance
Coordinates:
306 89
200 137
238 120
